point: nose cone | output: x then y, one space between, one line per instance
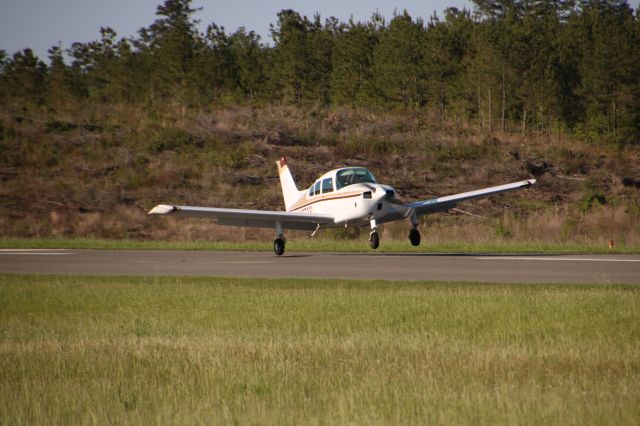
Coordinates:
385 192
390 193
380 192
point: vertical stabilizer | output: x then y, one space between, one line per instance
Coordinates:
290 191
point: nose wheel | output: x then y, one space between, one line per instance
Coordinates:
414 237
374 240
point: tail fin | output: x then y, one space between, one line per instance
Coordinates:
290 191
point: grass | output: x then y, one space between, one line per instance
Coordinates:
317 245
241 351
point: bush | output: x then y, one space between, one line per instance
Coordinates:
591 199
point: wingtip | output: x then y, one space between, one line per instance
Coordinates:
162 209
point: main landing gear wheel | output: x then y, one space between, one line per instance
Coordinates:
278 246
374 240
414 237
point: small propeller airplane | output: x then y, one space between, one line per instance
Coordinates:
348 196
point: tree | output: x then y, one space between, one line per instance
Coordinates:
351 63
609 71
444 47
58 79
397 70
321 39
24 75
290 68
101 68
249 60
169 47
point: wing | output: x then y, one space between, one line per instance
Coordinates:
445 203
252 218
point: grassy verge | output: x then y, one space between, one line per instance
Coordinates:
206 350
317 245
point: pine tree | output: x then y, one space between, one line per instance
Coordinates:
168 47
609 71
249 60
58 79
290 66
25 76
397 69
444 46
319 55
351 64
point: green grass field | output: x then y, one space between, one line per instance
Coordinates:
239 351
318 245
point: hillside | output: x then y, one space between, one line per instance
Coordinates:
94 171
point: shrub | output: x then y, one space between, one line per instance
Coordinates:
591 199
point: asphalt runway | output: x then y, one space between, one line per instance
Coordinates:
530 268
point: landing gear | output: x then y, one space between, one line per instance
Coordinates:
414 234
278 243
278 246
414 237
374 238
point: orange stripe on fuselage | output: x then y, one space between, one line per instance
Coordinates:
304 203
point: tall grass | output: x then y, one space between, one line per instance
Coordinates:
207 350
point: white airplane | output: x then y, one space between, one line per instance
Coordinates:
348 196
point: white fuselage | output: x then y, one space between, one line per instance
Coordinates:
354 204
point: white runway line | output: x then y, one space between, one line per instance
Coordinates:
34 254
231 262
37 252
559 259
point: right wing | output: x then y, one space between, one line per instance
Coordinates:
251 218
445 203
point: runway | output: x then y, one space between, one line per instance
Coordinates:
530 268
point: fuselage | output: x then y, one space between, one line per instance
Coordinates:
352 196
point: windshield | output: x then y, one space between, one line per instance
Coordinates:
346 177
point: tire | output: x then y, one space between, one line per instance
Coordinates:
414 237
278 246
374 240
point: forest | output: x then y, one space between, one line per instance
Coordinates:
549 67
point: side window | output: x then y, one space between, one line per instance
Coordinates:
327 185
311 193
316 188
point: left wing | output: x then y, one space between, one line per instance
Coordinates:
445 203
252 218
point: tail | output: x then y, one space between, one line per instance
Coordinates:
290 191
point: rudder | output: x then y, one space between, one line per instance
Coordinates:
290 191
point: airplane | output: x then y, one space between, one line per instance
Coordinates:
347 196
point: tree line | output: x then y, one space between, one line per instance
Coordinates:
563 66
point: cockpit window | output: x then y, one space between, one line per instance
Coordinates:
346 177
